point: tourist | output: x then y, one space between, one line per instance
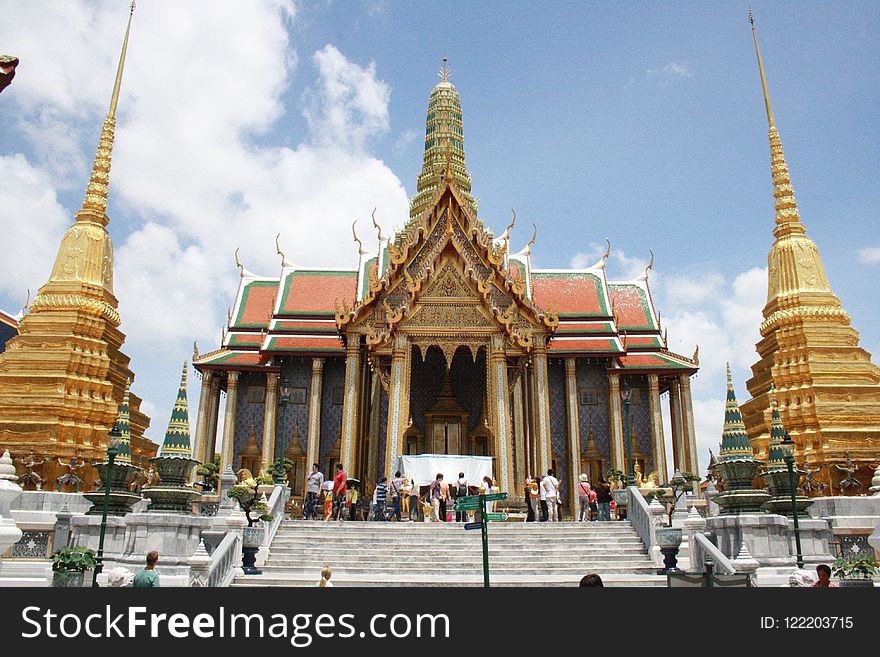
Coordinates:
594 507
550 484
405 492
584 491
148 577
486 487
327 488
527 492
591 580
326 571
436 494
339 490
534 497
445 516
310 510
824 581
353 497
603 499
460 490
380 497
396 488
543 499
414 496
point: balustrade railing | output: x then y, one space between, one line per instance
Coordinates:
639 514
277 503
225 560
701 547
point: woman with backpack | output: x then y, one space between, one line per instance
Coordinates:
584 491
460 490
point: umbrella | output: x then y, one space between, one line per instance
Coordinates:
353 482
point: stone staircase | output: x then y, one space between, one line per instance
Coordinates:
445 554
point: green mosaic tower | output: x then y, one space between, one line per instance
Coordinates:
177 436
444 139
735 444
123 424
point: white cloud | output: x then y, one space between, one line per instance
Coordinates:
33 222
671 70
620 266
870 255
195 172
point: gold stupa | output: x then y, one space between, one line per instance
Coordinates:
63 377
828 388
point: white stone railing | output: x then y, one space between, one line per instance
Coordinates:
640 516
225 561
277 502
703 546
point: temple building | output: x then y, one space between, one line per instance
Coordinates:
827 387
444 340
8 328
63 376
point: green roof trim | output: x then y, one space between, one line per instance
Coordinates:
245 296
288 283
366 284
646 307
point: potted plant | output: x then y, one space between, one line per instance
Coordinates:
858 570
210 474
69 565
278 470
253 503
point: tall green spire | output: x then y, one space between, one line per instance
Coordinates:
444 141
177 437
734 440
776 460
123 420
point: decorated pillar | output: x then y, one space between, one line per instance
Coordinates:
657 444
270 410
574 432
678 460
350 404
519 434
229 421
202 417
314 437
689 438
544 449
213 416
499 407
615 423
398 399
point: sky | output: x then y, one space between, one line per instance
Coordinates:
642 122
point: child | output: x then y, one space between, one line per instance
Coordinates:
328 498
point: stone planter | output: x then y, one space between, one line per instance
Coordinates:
620 500
668 540
121 499
67 579
251 539
856 582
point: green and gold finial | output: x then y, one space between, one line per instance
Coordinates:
776 456
94 205
444 72
735 444
177 437
123 424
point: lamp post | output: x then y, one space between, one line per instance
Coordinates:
112 451
788 446
626 396
284 389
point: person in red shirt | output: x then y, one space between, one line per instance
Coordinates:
824 581
339 491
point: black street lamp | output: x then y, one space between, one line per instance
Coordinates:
626 396
788 447
285 391
112 451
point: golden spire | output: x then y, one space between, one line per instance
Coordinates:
786 207
444 72
94 205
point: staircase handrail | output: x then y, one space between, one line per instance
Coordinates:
639 515
717 555
225 560
276 504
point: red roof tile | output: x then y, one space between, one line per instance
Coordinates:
315 292
304 343
585 345
257 303
649 361
631 308
569 293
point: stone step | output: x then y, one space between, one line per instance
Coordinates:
380 569
431 551
453 580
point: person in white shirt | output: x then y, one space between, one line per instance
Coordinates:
550 486
543 495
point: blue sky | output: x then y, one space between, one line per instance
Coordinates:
641 122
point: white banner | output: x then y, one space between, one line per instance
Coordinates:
424 468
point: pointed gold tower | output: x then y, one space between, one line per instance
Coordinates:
63 376
827 387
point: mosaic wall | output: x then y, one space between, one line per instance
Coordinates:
332 403
250 404
427 380
590 375
298 372
383 430
640 417
558 422
469 383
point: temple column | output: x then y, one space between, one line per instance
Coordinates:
213 415
657 444
229 421
519 433
541 390
678 451
689 440
269 414
347 450
398 400
615 423
375 421
574 432
314 438
202 417
499 407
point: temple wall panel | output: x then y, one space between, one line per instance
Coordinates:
298 372
331 407
591 379
640 415
469 383
248 412
558 421
427 381
383 432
